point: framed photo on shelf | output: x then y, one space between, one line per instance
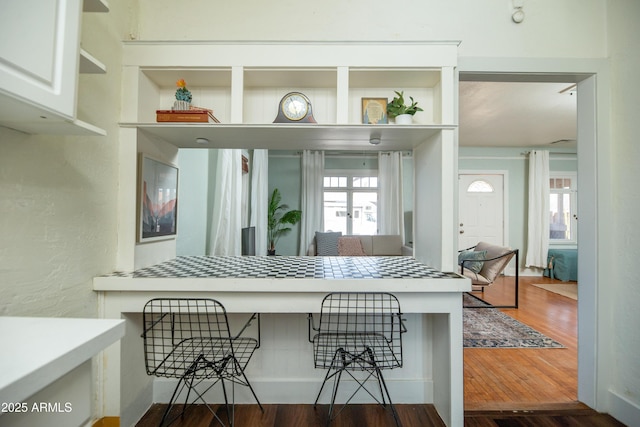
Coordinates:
158 200
374 111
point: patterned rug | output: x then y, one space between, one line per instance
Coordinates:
487 327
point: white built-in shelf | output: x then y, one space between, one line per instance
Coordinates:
35 120
295 136
95 6
90 65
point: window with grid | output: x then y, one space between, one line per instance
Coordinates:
351 202
563 208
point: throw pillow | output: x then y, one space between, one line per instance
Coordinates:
327 243
476 257
350 246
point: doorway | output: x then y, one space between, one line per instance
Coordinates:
592 103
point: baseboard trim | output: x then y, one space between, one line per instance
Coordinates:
622 409
107 422
410 391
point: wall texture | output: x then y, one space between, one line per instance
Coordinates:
58 194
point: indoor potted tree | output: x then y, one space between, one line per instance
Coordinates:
279 219
402 112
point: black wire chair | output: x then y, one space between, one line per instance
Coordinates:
358 331
190 339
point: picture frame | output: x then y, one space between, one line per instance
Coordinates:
374 111
157 200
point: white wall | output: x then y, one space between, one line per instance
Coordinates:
571 28
621 292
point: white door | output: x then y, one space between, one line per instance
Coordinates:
481 209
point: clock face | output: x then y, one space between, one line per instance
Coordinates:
295 106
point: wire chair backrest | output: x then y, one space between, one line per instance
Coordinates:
368 319
171 322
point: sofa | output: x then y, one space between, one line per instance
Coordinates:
336 244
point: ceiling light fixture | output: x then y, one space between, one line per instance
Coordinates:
374 141
202 141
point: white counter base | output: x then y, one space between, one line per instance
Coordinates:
282 369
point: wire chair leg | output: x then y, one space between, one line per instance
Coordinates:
374 366
393 409
173 399
189 388
226 404
336 383
252 392
327 376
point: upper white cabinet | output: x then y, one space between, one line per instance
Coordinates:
39 65
243 84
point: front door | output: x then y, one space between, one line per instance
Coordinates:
481 209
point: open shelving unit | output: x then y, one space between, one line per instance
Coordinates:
243 83
245 100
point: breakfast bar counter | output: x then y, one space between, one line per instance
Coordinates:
284 289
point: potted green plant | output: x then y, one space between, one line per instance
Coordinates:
279 220
402 112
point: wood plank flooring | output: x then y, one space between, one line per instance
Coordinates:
514 378
376 416
503 387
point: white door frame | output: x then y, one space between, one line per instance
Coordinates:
594 152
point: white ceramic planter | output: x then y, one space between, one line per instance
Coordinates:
181 105
404 119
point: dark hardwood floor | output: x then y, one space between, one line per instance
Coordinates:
503 387
375 416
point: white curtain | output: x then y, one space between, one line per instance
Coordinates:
538 221
259 198
390 208
312 197
226 221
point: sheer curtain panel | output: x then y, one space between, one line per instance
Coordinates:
538 221
312 197
259 198
390 208
226 221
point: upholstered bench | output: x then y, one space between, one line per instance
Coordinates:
563 264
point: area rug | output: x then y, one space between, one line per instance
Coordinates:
569 290
491 328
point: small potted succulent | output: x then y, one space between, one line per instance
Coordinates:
183 96
402 112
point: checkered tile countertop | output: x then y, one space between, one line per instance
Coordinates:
290 267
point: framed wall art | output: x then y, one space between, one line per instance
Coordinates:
158 200
374 111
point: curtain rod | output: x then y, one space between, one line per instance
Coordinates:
526 153
355 153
